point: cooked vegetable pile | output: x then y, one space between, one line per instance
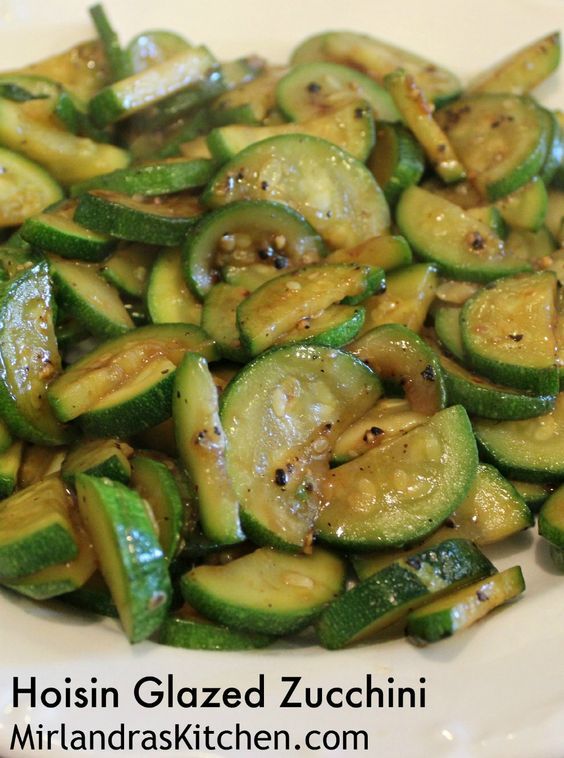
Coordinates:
280 346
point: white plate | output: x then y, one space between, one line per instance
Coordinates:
496 690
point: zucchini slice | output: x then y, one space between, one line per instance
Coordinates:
82 68
508 335
391 593
128 268
128 551
447 327
398 493
56 232
491 217
533 493
281 414
523 70
397 160
36 530
389 418
202 447
150 48
154 178
277 307
335 327
169 301
134 93
93 597
250 102
138 219
457 611
187 629
309 89
126 384
460 245
10 461
408 296
244 233
69 159
102 457
29 358
156 483
376 59
502 140
551 518
530 449
266 591
333 191
61 577
525 208
483 398
491 512
219 319
25 189
398 354
350 127
89 298
417 113
386 252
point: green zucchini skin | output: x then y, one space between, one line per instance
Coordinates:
350 127
134 93
102 457
29 547
528 449
109 212
299 100
89 298
274 593
195 634
376 58
483 398
461 246
341 218
141 408
156 483
398 354
279 506
219 319
397 160
551 519
159 178
265 223
202 447
124 538
521 129
277 307
389 594
33 189
93 597
57 233
25 301
393 513
447 327
502 344
458 611
10 461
